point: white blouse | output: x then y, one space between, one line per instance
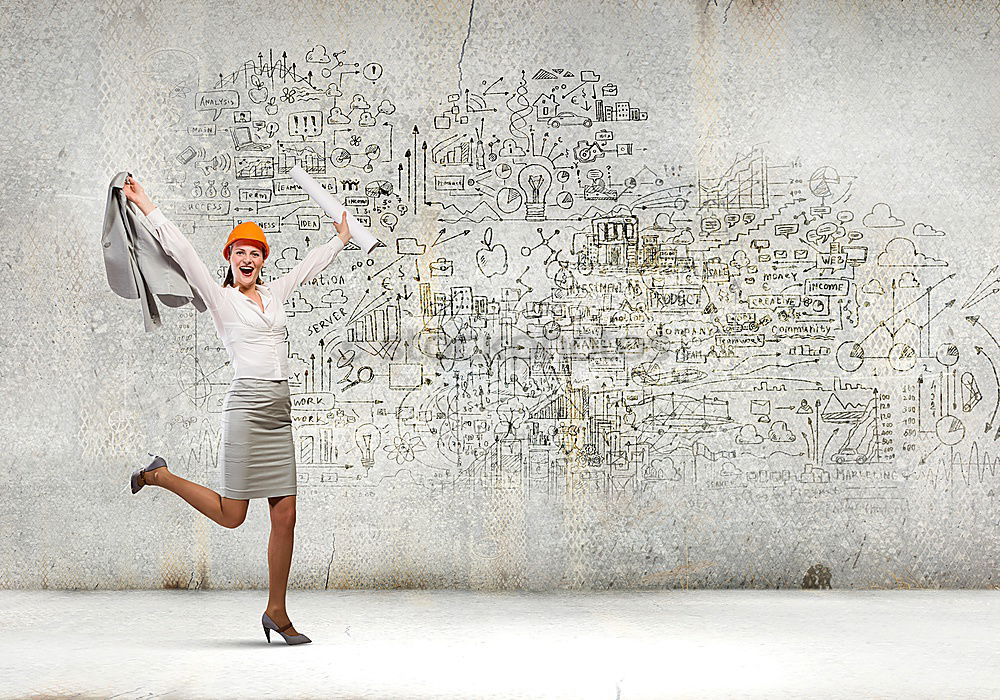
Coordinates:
253 339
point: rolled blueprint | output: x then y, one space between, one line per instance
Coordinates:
334 209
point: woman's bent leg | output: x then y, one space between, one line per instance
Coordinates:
228 512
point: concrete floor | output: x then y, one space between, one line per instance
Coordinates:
448 644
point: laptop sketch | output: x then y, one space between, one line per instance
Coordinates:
243 140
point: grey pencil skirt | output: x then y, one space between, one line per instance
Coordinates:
257 455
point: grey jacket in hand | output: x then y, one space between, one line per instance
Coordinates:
136 264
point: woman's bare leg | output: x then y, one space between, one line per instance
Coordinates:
228 512
279 557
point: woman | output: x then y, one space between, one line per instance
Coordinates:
257 456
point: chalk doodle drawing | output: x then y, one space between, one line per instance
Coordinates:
553 313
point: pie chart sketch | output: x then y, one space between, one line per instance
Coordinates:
822 181
947 354
902 357
850 356
509 200
378 188
340 157
949 430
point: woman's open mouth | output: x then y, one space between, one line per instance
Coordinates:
246 271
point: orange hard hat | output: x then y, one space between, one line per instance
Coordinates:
249 230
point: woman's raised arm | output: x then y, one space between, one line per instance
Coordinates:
176 245
315 261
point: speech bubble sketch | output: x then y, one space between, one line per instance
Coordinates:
216 101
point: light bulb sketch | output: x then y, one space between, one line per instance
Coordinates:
535 181
368 440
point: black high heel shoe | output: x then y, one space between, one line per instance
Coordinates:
137 481
269 625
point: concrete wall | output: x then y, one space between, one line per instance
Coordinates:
743 338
